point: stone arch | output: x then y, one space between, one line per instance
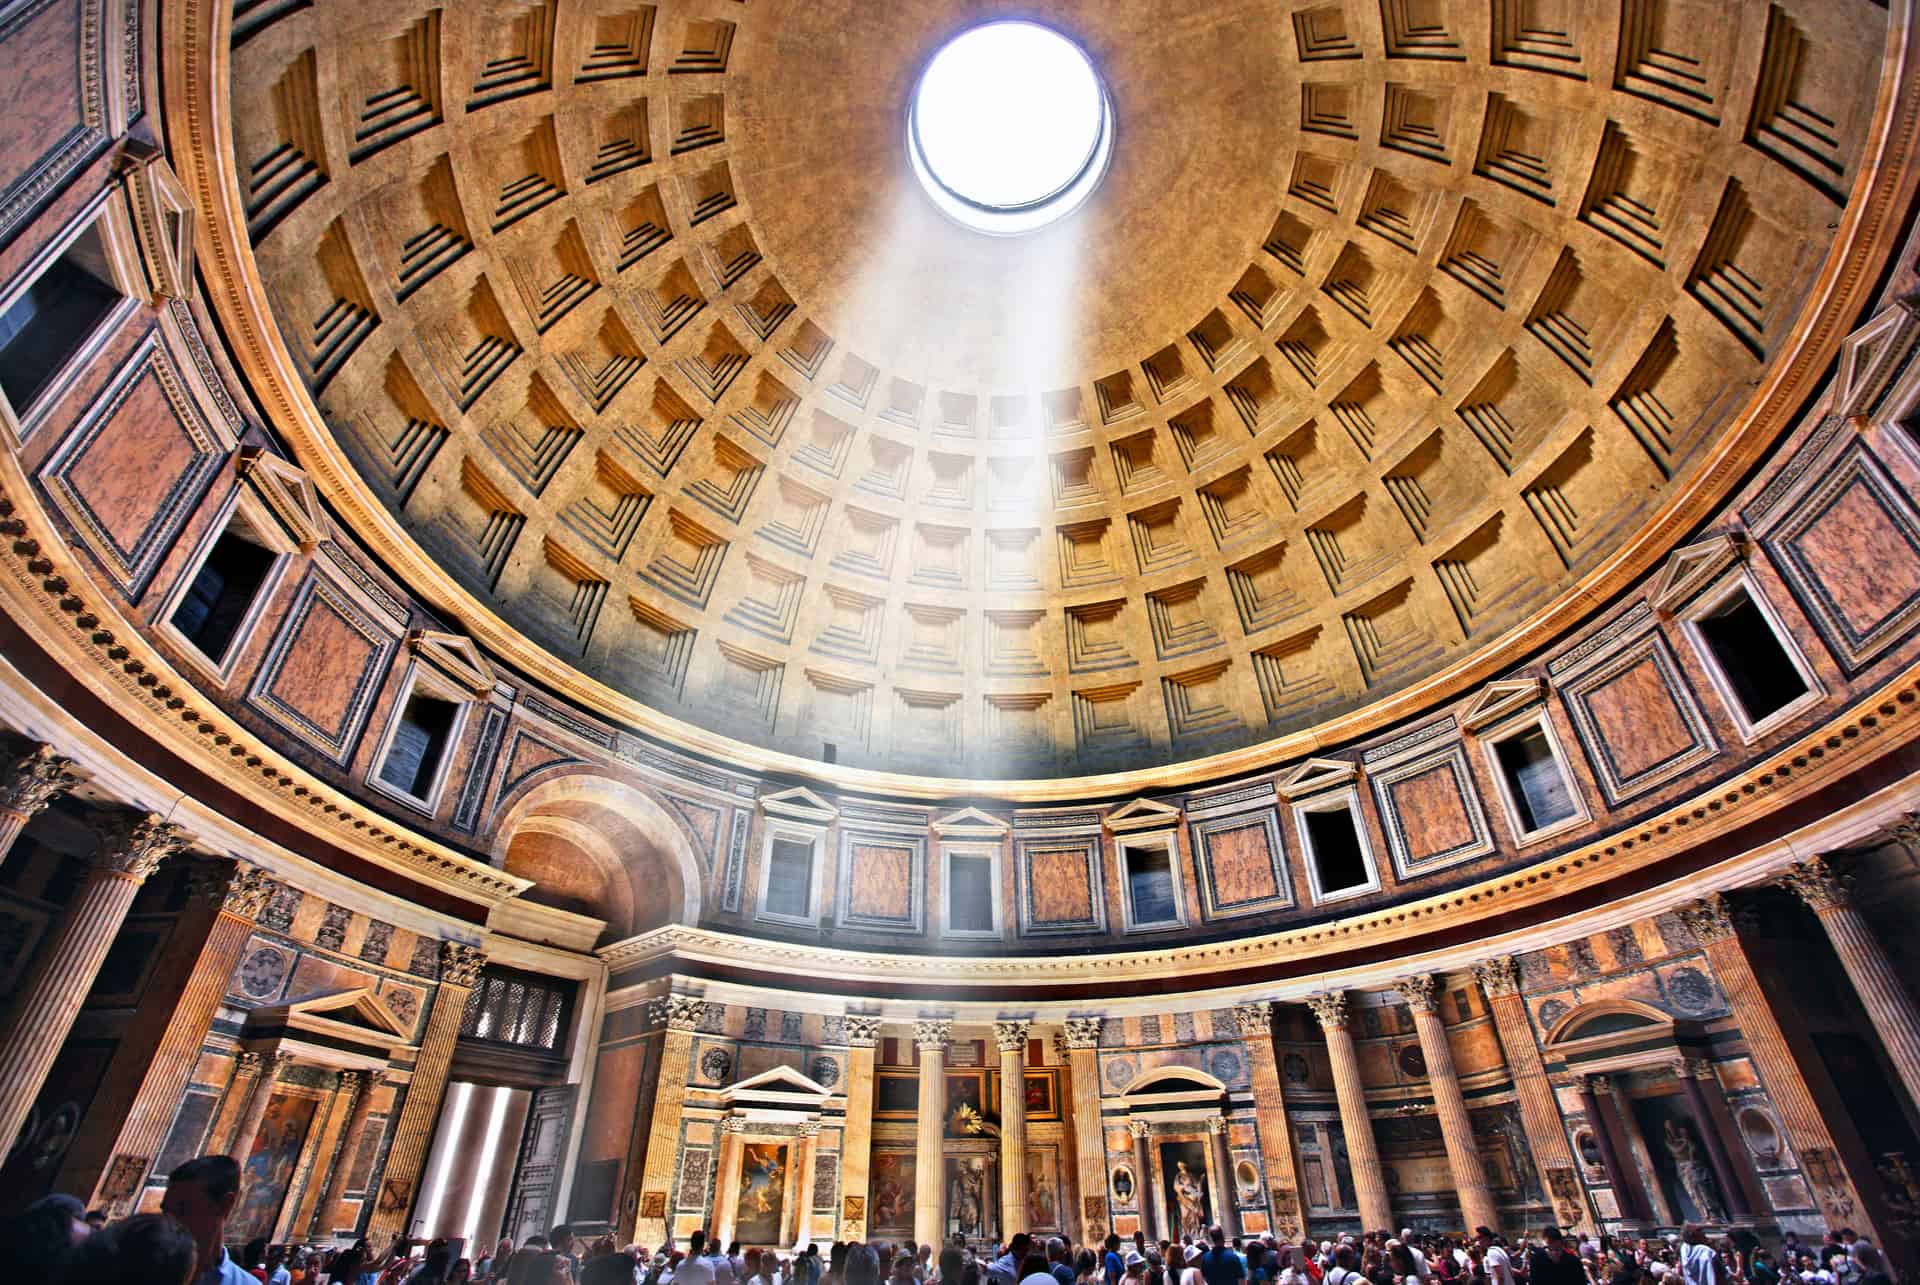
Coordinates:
1608 1017
1164 1079
604 847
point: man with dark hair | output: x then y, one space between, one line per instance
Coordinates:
201 1193
1111 1267
1220 1265
560 1239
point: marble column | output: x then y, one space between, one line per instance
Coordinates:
132 846
1226 1206
259 1095
808 1169
1089 1139
726 1183
1146 1185
1625 1193
683 1014
1287 1210
856 1136
460 966
1886 999
28 784
331 1214
1711 921
1363 1155
1456 1126
929 1164
155 1060
1694 1075
1539 1113
1011 1038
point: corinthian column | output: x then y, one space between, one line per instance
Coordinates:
1270 1117
332 1210
1539 1113
683 1014
1456 1127
1011 1037
1369 1180
460 966
809 1169
27 785
1089 1141
929 1169
132 847
1881 992
1711 921
156 1056
856 1137
258 1096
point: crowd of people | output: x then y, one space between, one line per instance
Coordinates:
57 1241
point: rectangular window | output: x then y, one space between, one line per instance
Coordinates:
53 318
221 594
1338 857
1150 886
419 743
1750 656
526 1009
790 879
1534 781
970 894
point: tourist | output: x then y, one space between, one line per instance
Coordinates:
1005 1270
1033 1268
1494 1259
1699 1265
1059 1263
1871 1262
148 1249
1219 1265
201 1193
1190 1273
1112 1266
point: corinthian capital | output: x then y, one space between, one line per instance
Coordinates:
1254 1019
460 964
34 780
932 1033
1418 990
1331 1008
1709 919
685 1012
1084 1032
1817 883
863 1030
1499 975
134 844
1011 1037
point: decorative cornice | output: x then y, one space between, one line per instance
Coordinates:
34 780
863 1030
133 845
1499 975
1084 1032
1816 882
1331 1008
460 964
932 1034
1418 990
1011 1036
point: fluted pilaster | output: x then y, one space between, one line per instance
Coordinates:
682 1015
1539 1113
856 1143
1082 1038
1255 1023
132 846
259 1094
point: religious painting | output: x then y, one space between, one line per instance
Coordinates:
891 1191
1043 1094
966 1103
1183 1177
763 1185
896 1095
269 1167
1043 1189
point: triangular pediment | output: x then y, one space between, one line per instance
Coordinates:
969 823
778 1083
456 657
799 804
1498 699
163 216
1692 568
1872 357
358 1007
1142 814
288 494
1316 775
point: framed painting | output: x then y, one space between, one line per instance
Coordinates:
896 1095
763 1185
269 1166
890 1192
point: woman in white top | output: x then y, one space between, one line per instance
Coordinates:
1190 1270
